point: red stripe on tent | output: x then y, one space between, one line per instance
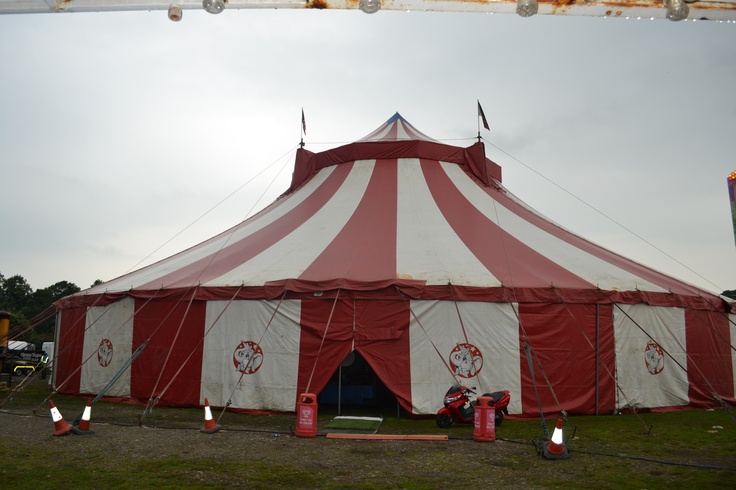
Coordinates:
508 259
392 134
365 248
709 361
70 349
236 254
322 361
563 338
382 338
412 132
158 323
378 329
612 258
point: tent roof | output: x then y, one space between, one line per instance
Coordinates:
399 210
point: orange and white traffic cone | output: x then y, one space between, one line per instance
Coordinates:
83 428
61 426
210 427
556 448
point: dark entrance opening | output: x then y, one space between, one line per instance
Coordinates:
356 387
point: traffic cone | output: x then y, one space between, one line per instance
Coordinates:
210 427
83 428
62 426
556 448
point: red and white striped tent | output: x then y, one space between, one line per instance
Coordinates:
412 253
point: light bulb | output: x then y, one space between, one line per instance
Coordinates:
213 6
677 9
527 8
175 12
370 6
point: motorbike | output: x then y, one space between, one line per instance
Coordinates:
459 408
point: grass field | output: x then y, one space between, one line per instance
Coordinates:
681 449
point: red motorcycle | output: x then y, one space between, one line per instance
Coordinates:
459 408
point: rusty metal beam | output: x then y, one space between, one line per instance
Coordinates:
723 10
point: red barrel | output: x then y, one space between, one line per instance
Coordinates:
306 415
484 429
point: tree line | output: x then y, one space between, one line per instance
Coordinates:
32 315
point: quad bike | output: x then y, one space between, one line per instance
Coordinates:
459 408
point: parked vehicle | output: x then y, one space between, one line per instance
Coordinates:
458 407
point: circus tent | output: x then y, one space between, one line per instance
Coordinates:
412 253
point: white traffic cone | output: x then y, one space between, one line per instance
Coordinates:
61 426
83 428
210 427
556 448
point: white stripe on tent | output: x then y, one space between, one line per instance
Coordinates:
290 256
586 266
274 384
666 326
95 375
200 251
491 327
424 237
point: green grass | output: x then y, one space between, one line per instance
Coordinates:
350 423
649 450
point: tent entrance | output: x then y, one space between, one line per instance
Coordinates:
355 385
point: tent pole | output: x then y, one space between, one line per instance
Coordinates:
597 352
339 389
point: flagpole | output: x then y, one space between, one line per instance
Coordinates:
301 130
477 120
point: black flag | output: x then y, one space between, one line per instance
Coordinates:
483 117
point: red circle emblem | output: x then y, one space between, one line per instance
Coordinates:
104 353
466 360
654 357
248 357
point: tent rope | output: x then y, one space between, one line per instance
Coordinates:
324 335
605 366
684 369
153 401
85 361
457 308
250 359
416 318
201 341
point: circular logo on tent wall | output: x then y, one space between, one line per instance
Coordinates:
654 357
104 353
466 360
248 357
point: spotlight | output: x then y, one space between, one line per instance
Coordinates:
676 9
527 8
175 12
370 6
213 6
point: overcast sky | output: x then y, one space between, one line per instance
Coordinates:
120 130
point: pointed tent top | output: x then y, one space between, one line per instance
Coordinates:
396 129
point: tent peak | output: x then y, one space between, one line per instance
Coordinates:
396 128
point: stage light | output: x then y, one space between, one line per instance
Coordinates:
370 6
213 6
527 8
676 9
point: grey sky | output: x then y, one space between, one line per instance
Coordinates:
119 130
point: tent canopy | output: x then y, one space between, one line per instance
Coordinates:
414 254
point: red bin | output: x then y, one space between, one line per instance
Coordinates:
306 415
484 429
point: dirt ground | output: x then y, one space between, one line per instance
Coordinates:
120 436
259 451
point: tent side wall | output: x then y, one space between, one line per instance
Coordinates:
260 354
